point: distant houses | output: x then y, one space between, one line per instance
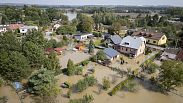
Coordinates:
14 27
3 28
82 37
154 38
25 29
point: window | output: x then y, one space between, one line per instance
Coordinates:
126 49
148 41
154 41
163 38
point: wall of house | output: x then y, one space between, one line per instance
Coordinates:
126 50
152 41
141 49
162 40
23 30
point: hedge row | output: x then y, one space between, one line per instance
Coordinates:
119 86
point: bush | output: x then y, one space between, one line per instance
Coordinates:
132 86
106 83
85 83
1 82
119 86
86 99
84 63
78 70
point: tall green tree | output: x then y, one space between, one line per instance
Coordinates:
70 67
14 66
171 75
54 61
91 47
43 84
34 54
66 29
85 23
9 42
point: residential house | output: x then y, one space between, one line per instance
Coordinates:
25 29
14 27
114 40
132 46
169 54
3 28
154 38
80 47
56 26
59 51
82 37
111 54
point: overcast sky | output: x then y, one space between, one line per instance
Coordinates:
98 2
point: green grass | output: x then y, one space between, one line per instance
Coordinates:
97 42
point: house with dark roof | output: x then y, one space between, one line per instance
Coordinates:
154 38
111 54
132 46
169 54
113 41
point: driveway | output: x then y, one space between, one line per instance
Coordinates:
76 57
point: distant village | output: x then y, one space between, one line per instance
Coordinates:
88 55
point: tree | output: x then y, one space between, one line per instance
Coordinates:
52 13
52 43
36 37
9 42
101 55
70 67
91 47
34 54
66 29
54 61
171 75
43 84
14 66
115 28
85 23
106 83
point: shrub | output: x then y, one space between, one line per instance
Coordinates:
85 83
86 99
119 86
84 63
106 83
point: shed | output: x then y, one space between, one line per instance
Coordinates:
111 53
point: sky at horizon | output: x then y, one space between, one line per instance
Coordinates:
98 2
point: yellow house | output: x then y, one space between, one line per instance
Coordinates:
154 38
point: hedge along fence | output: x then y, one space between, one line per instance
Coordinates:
119 86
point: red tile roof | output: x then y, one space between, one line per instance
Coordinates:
58 49
15 26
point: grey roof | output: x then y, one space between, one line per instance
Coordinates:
29 27
172 50
110 52
131 42
116 39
